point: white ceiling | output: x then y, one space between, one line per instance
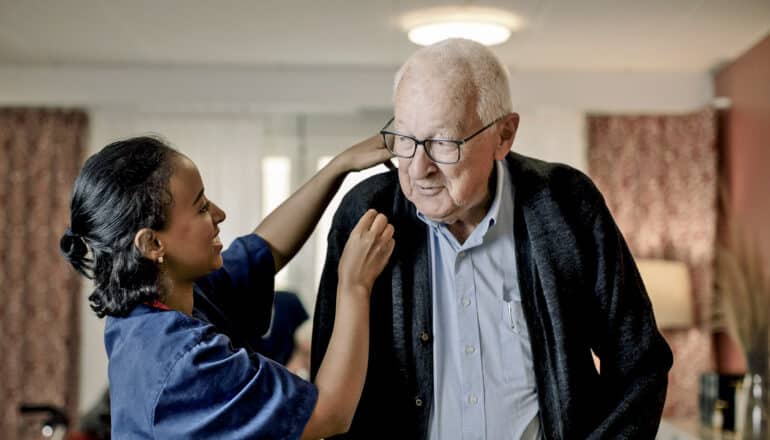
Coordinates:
640 35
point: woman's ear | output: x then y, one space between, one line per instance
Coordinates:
509 125
146 240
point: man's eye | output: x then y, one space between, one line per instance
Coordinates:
445 145
205 207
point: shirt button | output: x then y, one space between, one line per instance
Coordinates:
461 254
470 349
417 402
472 399
425 336
466 302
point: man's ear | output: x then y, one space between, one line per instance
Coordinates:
146 240
508 126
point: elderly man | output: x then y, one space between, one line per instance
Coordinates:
508 273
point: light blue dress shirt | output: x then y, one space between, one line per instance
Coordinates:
483 371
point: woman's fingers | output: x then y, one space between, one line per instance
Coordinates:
367 153
367 250
379 224
387 233
365 222
390 244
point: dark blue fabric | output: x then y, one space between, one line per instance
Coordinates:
288 314
238 299
175 376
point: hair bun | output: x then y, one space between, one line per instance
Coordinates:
73 247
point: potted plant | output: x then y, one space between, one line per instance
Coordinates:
743 283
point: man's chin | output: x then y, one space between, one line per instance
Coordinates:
438 216
431 207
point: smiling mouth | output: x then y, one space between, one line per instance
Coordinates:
428 190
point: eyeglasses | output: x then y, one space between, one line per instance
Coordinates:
444 151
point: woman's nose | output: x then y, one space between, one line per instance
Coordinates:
219 214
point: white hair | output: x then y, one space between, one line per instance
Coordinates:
480 73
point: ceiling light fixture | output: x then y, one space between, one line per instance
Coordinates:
487 26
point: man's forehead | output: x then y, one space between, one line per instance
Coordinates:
441 122
440 110
435 85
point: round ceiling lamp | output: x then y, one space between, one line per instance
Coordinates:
488 26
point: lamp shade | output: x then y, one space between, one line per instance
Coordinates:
669 287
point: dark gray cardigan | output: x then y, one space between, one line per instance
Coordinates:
580 291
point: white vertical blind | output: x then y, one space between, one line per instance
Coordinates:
227 151
276 187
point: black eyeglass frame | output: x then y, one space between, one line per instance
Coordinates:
458 142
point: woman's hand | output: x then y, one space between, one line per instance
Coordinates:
366 253
364 154
341 375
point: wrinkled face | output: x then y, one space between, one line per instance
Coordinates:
191 236
431 108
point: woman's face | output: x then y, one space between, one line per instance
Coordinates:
191 236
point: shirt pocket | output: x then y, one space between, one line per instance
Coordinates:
518 368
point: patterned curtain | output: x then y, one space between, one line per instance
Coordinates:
40 153
659 176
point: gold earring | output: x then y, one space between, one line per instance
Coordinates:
160 259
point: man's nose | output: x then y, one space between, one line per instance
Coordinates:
421 165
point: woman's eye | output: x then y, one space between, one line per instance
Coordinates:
205 207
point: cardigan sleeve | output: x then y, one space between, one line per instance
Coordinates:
635 358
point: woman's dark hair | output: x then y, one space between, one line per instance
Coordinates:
120 190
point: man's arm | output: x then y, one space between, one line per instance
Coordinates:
635 358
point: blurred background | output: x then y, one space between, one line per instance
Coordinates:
664 103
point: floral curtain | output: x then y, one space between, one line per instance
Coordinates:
41 151
659 176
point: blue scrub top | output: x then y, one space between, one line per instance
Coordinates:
176 376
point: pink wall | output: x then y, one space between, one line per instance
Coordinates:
745 147
746 82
